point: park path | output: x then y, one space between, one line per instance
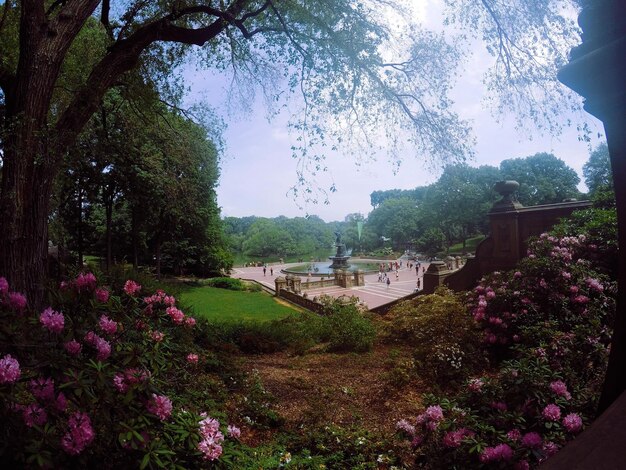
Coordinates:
373 293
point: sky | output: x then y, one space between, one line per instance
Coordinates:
257 169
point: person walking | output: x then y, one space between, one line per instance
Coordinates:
264 270
418 283
271 271
388 282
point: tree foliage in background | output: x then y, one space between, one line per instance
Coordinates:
597 171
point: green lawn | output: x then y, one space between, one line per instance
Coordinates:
232 306
470 245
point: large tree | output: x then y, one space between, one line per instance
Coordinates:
330 52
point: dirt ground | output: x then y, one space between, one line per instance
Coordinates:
370 390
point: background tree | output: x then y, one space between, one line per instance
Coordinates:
597 171
331 55
543 179
397 219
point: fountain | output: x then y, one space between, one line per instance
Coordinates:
340 260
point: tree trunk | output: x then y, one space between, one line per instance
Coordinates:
108 205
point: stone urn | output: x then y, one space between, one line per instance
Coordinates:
506 189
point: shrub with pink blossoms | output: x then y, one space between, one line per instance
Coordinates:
52 321
160 405
9 369
131 287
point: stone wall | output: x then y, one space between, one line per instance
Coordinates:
511 225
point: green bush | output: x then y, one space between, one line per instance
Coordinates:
443 335
350 330
225 283
101 378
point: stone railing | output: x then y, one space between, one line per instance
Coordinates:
301 301
511 225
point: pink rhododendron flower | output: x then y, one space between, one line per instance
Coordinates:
85 282
581 299
212 438
73 347
192 358
550 448
160 405
434 413
16 301
61 402
34 415
9 369
107 325
404 426
102 295
157 336
233 431
120 382
594 284
532 440
514 435
552 412
560 388
475 385
566 275
131 287
190 321
175 314
417 441
104 349
573 423
4 285
52 321
80 434
517 274
501 452
455 438
42 389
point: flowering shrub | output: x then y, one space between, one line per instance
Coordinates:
98 377
547 327
444 337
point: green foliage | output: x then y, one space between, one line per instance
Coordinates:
597 171
350 330
433 241
543 179
444 337
229 283
547 326
105 377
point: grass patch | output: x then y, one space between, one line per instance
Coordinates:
470 245
221 305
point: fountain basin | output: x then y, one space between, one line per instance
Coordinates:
323 269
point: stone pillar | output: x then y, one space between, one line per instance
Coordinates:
434 276
296 283
343 278
597 72
359 279
280 283
457 262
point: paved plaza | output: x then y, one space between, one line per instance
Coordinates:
373 293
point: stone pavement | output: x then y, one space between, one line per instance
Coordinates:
373 293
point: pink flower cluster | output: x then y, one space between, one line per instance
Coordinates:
404 426
160 297
73 347
85 282
123 381
192 358
52 321
131 288
102 295
475 385
233 431
212 438
16 301
9 370
573 423
552 412
430 418
107 325
34 415
177 316
532 440
160 405
80 434
455 438
4 285
560 388
499 453
102 345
